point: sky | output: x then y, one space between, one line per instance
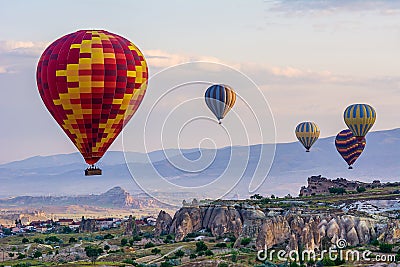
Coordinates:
309 59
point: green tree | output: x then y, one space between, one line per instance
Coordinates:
179 253
25 240
149 245
221 245
66 230
192 256
245 241
375 242
156 251
38 241
72 240
361 189
201 246
21 256
208 253
256 197
337 190
11 255
106 247
37 254
93 253
124 242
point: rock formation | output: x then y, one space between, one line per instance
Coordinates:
291 228
130 226
163 223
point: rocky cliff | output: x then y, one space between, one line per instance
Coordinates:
292 229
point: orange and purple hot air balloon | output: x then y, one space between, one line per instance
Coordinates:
349 146
92 82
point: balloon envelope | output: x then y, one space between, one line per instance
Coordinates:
348 146
359 118
92 82
220 99
307 133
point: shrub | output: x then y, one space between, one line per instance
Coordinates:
165 264
337 190
201 246
375 242
156 251
221 245
208 253
53 239
245 241
385 248
37 254
361 189
234 257
179 253
72 240
38 241
106 247
192 256
108 236
93 253
124 242
149 245
136 238
21 256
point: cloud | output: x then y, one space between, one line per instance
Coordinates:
6 70
22 48
3 69
264 74
162 59
322 7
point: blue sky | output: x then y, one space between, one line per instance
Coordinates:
309 58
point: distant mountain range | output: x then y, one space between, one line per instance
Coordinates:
63 174
116 197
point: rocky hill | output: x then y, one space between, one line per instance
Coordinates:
290 228
318 185
116 197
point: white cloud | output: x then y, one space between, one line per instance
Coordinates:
24 48
162 59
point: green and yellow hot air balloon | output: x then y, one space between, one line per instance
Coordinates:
307 132
359 118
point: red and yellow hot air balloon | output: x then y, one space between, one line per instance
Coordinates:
92 82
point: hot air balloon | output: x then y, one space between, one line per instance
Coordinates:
92 82
220 98
349 147
307 133
359 118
